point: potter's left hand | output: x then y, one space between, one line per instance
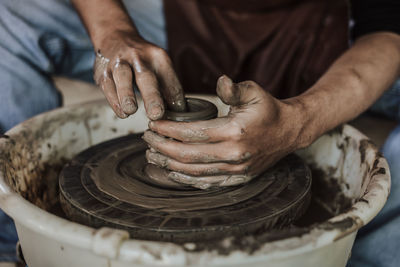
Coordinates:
230 150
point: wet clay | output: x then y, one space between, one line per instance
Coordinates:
196 109
315 215
111 184
159 177
106 186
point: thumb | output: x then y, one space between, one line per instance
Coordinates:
236 94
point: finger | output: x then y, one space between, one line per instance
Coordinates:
236 94
195 169
170 85
195 153
214 130
209 181
122 75
148 87
160 176
108 87
100 68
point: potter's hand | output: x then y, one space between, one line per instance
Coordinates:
124 58
257 132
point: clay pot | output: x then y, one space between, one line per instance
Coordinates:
197 109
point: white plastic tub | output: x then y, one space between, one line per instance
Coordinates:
32 151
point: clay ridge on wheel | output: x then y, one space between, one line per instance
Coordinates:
84 203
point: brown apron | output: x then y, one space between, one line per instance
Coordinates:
283 45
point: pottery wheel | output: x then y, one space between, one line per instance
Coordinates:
106 185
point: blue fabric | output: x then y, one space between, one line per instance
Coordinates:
8 239
389 103
377 244
42 38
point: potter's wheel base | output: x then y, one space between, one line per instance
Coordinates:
105 185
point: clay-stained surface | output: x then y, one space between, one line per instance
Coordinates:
34 152
197 109
105 185
31 150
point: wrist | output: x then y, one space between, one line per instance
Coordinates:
304 121
101 27
104 36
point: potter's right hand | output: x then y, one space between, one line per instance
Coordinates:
124 58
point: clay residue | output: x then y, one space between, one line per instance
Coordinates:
21 159
26 174
321 209
338 130
159 176
121 173
328 191
365 144
248 244
327 201
316 217
42 191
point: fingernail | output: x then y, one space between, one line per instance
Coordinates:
173 176
181 178
156 111
176 177
226 80
146 137
152 162
129 105
151 125
150 158
157 159
120 113
202 186
234 180
151 137
150 155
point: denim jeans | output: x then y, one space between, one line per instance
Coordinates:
42 38
378 242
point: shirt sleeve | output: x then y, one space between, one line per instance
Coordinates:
374 15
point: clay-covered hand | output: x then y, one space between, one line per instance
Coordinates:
124 58
230 150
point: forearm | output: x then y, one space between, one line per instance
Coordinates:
353 83
103 17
